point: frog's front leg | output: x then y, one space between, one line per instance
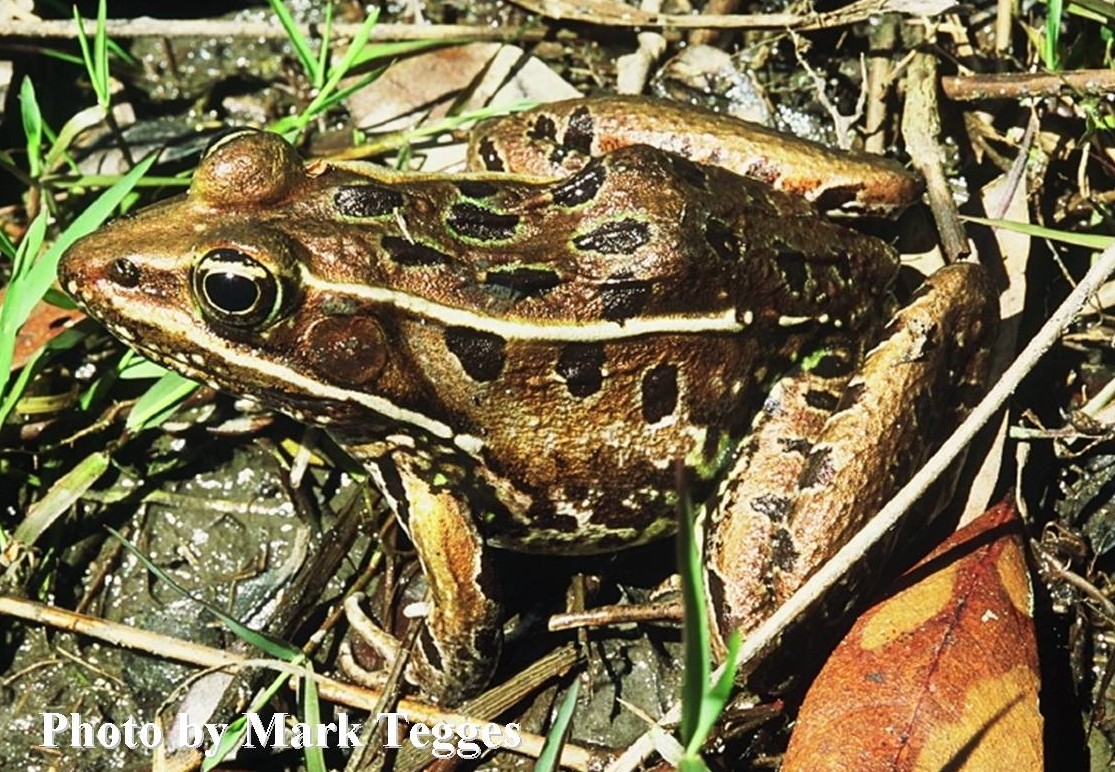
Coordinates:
834 474
459 645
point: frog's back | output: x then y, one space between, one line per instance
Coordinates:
552 344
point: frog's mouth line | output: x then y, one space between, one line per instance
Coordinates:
267 371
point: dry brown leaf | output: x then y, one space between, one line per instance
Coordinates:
943 674
46 322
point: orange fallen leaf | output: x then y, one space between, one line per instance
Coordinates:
943 674
46 321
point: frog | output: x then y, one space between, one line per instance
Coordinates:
520 356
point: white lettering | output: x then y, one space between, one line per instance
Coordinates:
151 735
189 735
108 735
215 732
418 735
263 736
442 740
393 721
53 723
85 738
348 736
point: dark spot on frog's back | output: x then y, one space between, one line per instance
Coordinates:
833 365
659 392
688 172
835 197
581 187
367 200
822 400
543 129
794 270
579 365
783 553
722 239
524 282
580 133
410 253
476 188
481 354
475 222
623 297
618 237
797 446
819 470
777 508
489 156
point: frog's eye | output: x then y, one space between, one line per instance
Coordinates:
236 289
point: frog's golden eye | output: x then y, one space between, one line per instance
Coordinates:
235 289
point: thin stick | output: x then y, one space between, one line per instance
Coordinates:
66 29
169 647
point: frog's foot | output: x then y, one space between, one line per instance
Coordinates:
382 643
463 678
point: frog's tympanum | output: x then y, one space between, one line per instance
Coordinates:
519 360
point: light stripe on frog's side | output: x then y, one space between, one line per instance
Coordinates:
623 297
728 321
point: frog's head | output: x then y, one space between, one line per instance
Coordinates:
236 284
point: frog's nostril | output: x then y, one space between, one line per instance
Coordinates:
124 272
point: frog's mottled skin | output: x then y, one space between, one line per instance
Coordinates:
517 360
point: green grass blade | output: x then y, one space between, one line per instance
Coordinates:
7 246
83 44
134 367
21 296
326 42
100 55
325 93
301 45
36 280
159 402
32 127
1053 17
692 764
555 738
65 340
1087 240
695 632
393 49
62 495
273 647
313 753
77 123
715 699
359 41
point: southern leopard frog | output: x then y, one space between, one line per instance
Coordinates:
518 360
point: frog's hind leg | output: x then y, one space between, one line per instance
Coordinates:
748 540
790 504
911 392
